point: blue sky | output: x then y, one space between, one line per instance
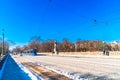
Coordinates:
58 19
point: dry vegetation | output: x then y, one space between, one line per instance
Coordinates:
79 47
92 68
45 73
41 71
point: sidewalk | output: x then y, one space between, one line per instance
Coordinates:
11 71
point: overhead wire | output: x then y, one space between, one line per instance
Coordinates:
94 21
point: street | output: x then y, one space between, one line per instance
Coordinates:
82 67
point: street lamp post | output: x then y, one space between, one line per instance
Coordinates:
3 42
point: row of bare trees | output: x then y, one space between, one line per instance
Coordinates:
68 46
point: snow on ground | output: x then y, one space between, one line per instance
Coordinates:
79 68
68 74
13 70
32 75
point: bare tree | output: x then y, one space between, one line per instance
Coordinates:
66 46
48 46
34 43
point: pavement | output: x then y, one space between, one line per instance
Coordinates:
12 71
92 68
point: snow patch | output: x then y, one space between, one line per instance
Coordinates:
68 74
32 75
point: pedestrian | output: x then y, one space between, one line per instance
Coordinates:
104 52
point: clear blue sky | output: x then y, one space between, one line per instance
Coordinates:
58 19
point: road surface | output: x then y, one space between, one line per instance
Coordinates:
92 68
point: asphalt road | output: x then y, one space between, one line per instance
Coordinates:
92 68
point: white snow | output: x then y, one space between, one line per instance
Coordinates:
32 75
13 68
63 65
68 74
62 72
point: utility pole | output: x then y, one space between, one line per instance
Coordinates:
3 42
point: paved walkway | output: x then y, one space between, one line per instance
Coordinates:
12 71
